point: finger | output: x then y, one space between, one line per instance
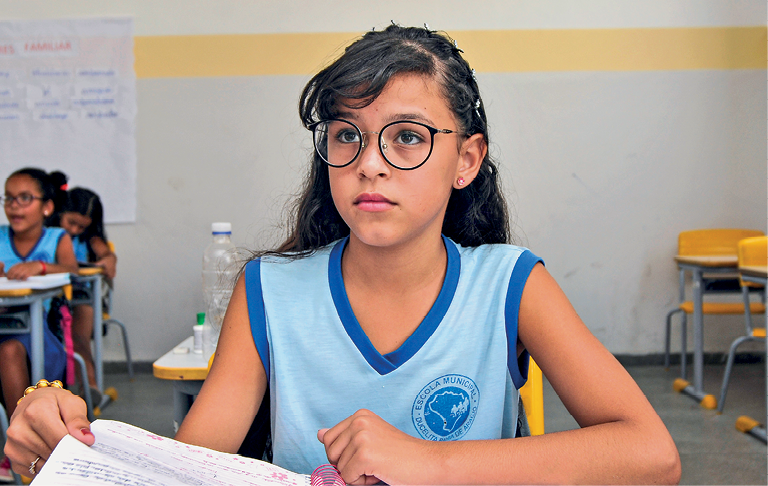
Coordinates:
23 468
74 414
321 434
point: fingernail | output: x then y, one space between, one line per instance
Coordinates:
86 431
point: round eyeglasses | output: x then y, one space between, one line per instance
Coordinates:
405 145
23 200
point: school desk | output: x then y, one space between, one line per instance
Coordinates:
187 370
91 276
33 299
757 274
698 265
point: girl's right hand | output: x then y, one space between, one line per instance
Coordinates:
24 270
40 421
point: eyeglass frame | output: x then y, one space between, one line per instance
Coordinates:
9 200
432 131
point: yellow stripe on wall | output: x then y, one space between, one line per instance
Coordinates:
487 51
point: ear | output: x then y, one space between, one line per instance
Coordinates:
471 156
48 208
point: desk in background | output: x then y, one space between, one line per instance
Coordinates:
33 299
187 371
698 266
759 275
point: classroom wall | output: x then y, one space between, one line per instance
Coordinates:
617 124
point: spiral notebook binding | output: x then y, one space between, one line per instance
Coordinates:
326 475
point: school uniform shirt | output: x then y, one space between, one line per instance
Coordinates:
456 377
81 248
45 251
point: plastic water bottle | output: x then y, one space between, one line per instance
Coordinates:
219 271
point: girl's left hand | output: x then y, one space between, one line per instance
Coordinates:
21 271
367 450
109 266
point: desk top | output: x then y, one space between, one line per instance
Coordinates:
708 260
755 270
88 271
185 366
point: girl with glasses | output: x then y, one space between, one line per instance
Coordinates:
393 327
28 248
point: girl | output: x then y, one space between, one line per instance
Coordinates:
82 216
396 317
29 248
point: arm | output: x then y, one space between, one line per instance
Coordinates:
65 263
621 439
231 395
105 258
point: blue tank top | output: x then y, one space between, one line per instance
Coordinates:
44 250
456 377
81 249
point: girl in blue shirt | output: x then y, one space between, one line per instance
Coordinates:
82 216
401 160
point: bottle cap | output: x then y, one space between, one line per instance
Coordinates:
200 318
221 228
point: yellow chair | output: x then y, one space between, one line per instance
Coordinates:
751 252
532 394
705 242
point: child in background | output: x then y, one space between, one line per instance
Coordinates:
393 326
82 216
28 248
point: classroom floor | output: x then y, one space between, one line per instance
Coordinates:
712 451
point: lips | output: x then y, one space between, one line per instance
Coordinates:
373 202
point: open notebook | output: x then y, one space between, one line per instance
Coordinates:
127 455
37 282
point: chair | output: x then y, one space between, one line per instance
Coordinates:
108 320
532 394
708 242
751 251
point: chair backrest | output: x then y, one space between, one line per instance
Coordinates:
719 241
753 251
532 394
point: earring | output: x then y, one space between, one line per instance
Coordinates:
460 181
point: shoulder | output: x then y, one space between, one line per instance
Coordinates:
495 255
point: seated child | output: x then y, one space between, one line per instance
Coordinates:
82 216
28 248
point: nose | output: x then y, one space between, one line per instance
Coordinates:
370 162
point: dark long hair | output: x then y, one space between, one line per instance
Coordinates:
476 214
86 202
53 186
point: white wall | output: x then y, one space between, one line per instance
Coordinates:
603 168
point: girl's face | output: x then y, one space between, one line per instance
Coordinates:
75 223
24 218
384 206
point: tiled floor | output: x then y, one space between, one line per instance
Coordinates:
711 449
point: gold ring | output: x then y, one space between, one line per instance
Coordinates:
32 466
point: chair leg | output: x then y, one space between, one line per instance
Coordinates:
84 385
128 360
729 367
684 346
4 427
667 336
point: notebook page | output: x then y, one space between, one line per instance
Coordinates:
127 455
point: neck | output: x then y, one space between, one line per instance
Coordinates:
30 234
394 269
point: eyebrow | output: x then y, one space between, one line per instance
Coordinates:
392 118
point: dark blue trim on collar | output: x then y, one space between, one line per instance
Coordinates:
384 364
256 314
518 366
32 251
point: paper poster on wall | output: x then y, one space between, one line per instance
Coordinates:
68 102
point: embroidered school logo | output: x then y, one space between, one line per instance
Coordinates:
446 408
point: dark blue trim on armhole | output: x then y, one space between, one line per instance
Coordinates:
256 314
56 248
518 366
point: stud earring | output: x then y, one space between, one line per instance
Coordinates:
460 181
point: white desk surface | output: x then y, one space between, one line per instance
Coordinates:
181 366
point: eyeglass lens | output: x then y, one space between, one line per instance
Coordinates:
23 200
404 144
